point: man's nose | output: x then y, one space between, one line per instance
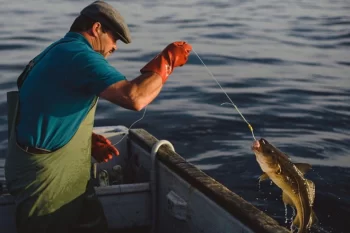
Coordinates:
114 48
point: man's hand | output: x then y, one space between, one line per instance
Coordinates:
174 55
102 149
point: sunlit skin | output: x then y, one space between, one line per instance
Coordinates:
135 94
102 42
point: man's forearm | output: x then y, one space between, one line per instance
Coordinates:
145 88
135 94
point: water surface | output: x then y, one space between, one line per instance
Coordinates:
284 63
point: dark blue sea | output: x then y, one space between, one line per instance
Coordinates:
285 64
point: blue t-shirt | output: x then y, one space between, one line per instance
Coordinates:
59 90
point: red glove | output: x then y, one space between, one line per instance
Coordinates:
102 149
174 55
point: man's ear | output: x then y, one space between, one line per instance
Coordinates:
96 29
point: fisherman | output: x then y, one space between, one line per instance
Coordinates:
51 140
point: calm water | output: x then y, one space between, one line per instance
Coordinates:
285 64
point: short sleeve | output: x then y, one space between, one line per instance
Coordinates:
94 73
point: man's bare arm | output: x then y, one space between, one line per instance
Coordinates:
135 94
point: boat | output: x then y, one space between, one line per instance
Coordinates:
151 188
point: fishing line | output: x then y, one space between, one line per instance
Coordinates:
143 115
211 74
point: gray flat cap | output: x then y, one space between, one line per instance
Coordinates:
110 17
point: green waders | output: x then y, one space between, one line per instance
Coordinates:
53 192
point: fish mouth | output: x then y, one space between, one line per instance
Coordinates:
256 146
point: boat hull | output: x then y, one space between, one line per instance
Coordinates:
159 191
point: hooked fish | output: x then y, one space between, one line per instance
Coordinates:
297 191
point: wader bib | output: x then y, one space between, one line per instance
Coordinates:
52 191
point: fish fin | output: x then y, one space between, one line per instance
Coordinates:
263 177
286 199
303 167
313 220
311 191
279 171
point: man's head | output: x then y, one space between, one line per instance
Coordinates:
102 26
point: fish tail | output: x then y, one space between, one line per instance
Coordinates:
302 229
313 219
296 221
299 223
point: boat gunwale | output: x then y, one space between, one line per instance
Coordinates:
239 208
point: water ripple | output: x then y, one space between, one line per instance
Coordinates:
222 35
321 37
344 63
11 67
4 47
25 38
284 63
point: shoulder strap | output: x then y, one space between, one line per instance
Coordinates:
22 77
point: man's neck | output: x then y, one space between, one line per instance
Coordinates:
87 37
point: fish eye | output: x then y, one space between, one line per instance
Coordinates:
268 150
